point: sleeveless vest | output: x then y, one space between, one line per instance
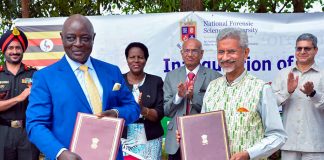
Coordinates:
240 102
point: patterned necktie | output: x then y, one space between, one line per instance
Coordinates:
92 91
191 77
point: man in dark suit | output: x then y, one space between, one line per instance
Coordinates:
61 90
184 89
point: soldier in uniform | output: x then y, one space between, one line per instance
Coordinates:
15 81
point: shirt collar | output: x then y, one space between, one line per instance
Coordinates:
238 79
75 65
195 71
21 68
314 67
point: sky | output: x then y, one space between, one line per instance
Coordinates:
316 8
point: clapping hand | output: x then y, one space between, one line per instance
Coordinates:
182 89
140 102
292 82
308 88
190 90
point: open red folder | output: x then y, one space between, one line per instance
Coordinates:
203 136
96 138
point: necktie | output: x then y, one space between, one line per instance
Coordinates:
92 90
191 77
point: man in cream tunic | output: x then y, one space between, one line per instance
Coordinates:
299 89
254 126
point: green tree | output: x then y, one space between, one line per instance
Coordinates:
2 28
12 9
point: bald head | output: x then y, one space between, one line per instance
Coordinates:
192 41
192 53
78 37
77 19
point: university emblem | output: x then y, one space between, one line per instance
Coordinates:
188 30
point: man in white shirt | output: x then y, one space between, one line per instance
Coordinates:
299 89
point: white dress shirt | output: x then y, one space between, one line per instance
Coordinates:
303 117
177 98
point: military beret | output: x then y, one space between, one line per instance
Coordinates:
11 35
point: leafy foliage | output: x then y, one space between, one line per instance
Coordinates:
2 29
11 9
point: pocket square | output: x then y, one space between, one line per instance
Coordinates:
116 87
242 109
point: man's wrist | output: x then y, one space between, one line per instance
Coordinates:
291 92
247 154
17 99
60 152
147 111
117 112
312 94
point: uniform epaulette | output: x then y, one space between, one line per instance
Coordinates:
27 68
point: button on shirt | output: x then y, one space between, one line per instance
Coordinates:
303 117
80 76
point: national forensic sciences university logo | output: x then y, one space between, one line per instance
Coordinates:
188 30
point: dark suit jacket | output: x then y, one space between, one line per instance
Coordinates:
152 97
170 88
56 98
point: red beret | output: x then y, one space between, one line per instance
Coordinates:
11 35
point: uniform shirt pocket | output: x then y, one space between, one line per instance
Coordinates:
4 91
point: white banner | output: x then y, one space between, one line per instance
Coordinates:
271 38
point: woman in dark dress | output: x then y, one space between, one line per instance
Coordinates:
144 137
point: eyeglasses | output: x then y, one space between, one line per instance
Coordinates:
192 51
306 49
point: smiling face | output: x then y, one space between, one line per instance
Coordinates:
136 60
231 56
14 53
192 53
305 52
78 37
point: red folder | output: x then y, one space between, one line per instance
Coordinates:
95 138
203 136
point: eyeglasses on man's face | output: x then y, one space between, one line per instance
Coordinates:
306 49
192 51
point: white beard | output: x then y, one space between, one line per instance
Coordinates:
228 69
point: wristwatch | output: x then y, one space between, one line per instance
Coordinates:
312 94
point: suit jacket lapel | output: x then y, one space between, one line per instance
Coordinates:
68 76
183 75
103 77
201 75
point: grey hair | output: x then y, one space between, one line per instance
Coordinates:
307 37
235 33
